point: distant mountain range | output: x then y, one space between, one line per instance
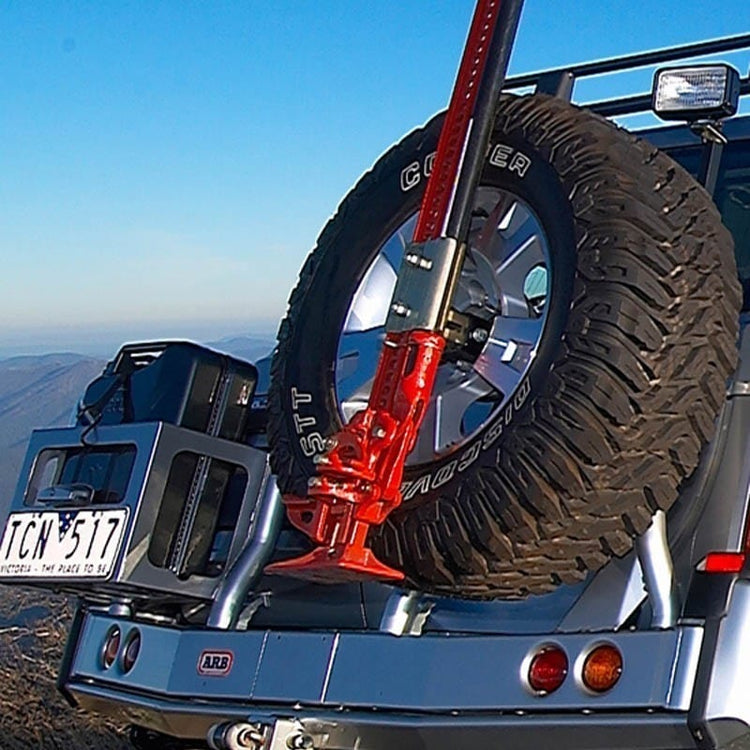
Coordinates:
43 391
249 348
39 391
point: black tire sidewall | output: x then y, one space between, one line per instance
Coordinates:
386 198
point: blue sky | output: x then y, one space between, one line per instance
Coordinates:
166 166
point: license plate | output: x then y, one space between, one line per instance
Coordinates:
62 543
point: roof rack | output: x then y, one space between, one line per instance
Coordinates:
560 81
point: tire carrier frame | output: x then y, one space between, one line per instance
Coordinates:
359 476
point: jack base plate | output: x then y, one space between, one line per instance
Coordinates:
344 565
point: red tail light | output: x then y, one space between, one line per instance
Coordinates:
723 562
547 670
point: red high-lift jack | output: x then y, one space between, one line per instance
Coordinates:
359 476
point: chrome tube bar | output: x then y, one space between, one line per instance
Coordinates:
655 559
405 613
248 567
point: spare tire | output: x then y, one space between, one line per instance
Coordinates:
603 303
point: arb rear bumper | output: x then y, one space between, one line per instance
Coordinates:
373 690
680 688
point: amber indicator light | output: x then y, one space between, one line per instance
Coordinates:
602 668
548 670
111 646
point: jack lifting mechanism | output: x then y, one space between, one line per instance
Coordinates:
359 474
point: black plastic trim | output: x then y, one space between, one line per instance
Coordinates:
708 595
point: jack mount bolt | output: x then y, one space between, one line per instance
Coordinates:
479 335
400 309
419 261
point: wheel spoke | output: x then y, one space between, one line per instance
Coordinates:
393 250
477 285
452 405
369 307
355 368
424 448
493 365
517 225
488 235
444 422
518 330
512 273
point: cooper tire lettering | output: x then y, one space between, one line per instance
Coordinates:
519 164
429 162
410 176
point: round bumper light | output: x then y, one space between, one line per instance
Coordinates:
111 646
548 670
131 650
602 668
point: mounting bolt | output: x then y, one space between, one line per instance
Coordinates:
379 432
419 261
250 738
400 309
479 335
331 443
